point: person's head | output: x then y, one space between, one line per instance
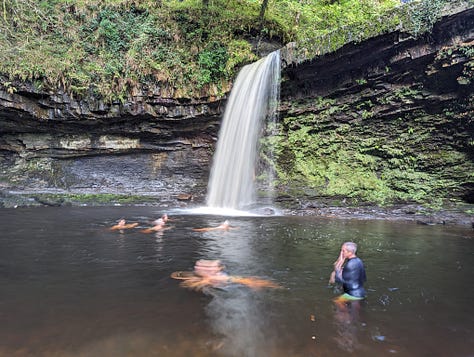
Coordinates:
206 268
164 217
121 222
159 222
349 249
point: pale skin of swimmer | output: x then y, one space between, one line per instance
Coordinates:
209 273
122 224
224 226
159 226
164 218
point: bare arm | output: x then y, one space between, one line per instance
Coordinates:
337 268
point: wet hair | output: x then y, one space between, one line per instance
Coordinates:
351 247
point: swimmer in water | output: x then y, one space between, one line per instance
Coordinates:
210 271
224 226
159 225
164 218
122 224
210 274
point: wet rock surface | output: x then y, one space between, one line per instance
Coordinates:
409 213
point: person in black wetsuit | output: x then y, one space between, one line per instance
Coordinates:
349 271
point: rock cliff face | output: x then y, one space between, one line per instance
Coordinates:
394 114
162 147
151 145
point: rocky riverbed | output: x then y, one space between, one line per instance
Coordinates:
454 214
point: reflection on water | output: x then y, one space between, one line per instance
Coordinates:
237 318
71 287
348 324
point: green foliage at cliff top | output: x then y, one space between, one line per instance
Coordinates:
109 48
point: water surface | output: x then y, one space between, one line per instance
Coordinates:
71 287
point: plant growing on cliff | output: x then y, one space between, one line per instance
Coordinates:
212 62
109 47
423 15
9 87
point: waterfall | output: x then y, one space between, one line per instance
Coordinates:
253 99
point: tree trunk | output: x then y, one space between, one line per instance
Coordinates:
262 12
261 18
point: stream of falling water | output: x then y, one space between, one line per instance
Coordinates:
253 99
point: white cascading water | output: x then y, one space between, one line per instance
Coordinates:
253 98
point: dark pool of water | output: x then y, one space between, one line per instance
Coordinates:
71 287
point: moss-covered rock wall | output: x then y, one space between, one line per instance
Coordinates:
384 121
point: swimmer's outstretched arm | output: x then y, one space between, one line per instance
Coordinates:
254 282
123 226
207 229
153 230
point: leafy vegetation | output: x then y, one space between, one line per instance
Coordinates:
187 48
107 48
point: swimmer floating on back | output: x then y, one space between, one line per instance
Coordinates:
159 225
224 226
210 274
122 224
